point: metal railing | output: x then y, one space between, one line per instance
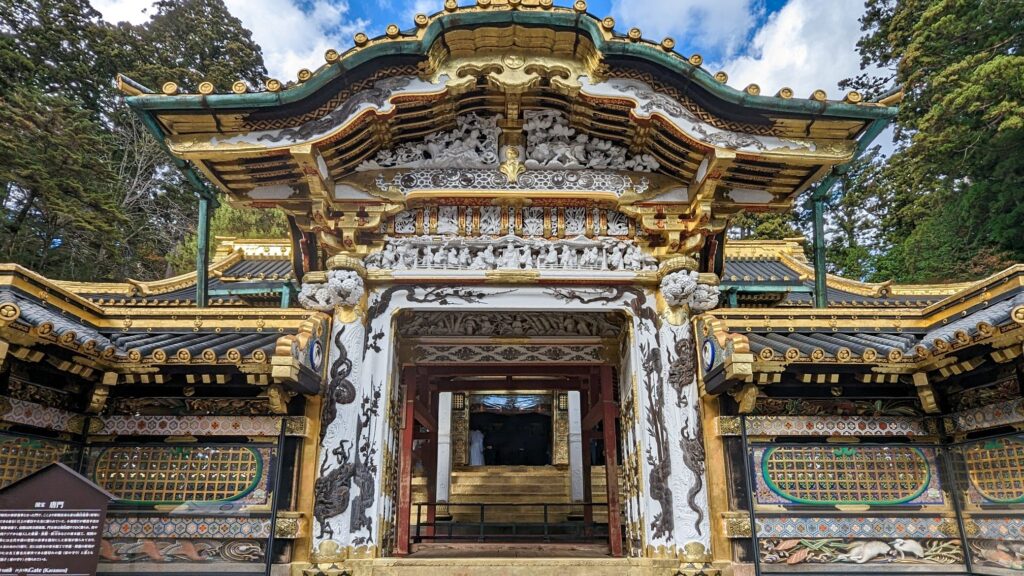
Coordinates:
559 521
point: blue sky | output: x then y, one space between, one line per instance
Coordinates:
802 44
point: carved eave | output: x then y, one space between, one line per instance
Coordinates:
298 147
41 320
979 325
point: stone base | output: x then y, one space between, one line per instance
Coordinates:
511 567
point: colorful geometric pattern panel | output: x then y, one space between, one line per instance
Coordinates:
831 475
22 455
139 550
857 527
994 470
162 474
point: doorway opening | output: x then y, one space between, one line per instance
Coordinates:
512 439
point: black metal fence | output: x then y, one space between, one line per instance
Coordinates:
556 522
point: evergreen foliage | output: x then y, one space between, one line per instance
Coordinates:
86 192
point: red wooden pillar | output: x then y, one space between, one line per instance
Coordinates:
610 409
406 434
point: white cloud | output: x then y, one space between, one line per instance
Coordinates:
808 44
291 38
134 11
717 26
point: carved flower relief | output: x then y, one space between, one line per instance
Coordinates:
405 222
618 223
575 220
533 222
490 220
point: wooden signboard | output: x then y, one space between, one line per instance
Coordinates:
51 522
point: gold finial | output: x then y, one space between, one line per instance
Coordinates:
421 20
169 88
331 56
206 88
392 31
668 44
580 6
451 5
819 95
752 89
608 23
721 76
273 85
634 34
785 93
239 87
696 59
512 168
853 97
305 74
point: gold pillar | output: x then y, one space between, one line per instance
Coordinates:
559 432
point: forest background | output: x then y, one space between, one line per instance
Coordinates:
87 194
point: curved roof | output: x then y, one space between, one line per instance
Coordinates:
703 147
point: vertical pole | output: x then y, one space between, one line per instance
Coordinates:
576 470
405 461
610 407
203 252
820 281
275 501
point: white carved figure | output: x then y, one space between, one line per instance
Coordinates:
552 143
682 287
473 143
509 252
343 288
448 219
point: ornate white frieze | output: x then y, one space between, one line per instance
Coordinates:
510 253
496 220
504 353
542 180
683 287
552 143
473 143
343 288
510 324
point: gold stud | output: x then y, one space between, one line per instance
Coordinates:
421 20
580 6
514 3
169 88
785 93
819 95
273 85
331 56
752 89
483 3
853 97
634 34
547 4
305 74
239 87
206 88
392 31
451 5
696 59
721 77
361 39
668 44
608 23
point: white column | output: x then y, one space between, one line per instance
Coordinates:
575 447
444 445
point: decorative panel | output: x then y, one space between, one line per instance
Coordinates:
162 474
858 526
995 470
118 526
837 426
986 417
830 475
21 456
